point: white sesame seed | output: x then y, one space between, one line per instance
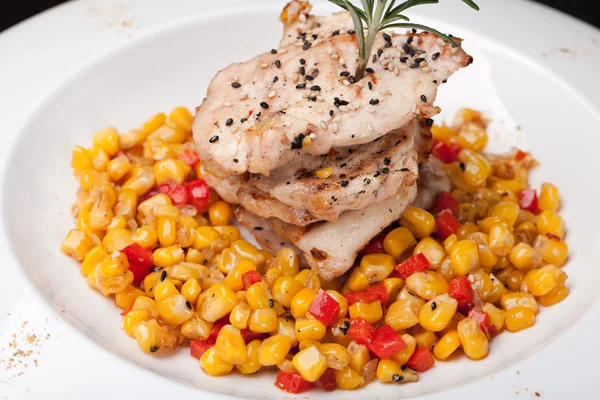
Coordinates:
299 44
263 66
337 119
295 78
227 104
342 61
244 96
346 82
236 78
323 125
370 127
344 108
329 51
302 18
313 136
282 51
334 127
441 42
235 129
272 94
423 64
318 110
426 69
334 56
454 50
456 59
320 98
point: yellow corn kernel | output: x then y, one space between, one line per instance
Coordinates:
171 170
507 210
100 159
230 231
240 315
220 213
465 257
245 249
443 133
230 345
474 342
181 117
164 288
446 345
453 324
497 291
151 336
403 355
146 304
359 356
337 332
467 212
166 231
466 229
271 276
214 365
142 179
227 261
263 320
251 365
301 302
552 251
286 327
134 318
287 261
457 179
273 350
420 222
175 309
524 257
81 159
501 240
309 278
284 290
552 223
446 269
126 203
117 222
372 312
191 289
481 283
462 196
216 302
393 286
195 256
512 300
427 284
466 116
471 136
258 296
437 312
556 295
196 328
132 138
324 173
145 236
357 281
126 298
101 213
519 318
118 167
432 250
336 355
377 267
475 175
544 280
112 275
496 315
167 256
449 242
402 314
108 140
308 343
77 244
146 207
398 241
424 338
347 379
514 279
91 260
155 122
234 279
549 199
486 224
309 329
389 371
310 364
466 156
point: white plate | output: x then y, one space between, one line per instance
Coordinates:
541 89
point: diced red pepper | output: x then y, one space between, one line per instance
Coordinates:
327 381
190 157
375 246
212 337
520 155
483 319
360 297
421 360
446 224
291 383
199 347
379 291
249 335
455 147
444 152
325 308
140 261
445 201
387 342
250 278
415 263
361 331
528 200
460 289
199 193
177 192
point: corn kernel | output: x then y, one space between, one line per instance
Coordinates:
549 199
371 312
437 312
420 222
167 256
273 350
245 249
220 213
552 223
389 371
501 240
191 289
557 295
196 328
376 267
446 345
424 338
258 296
134 318
263 320
347 379
402 314
214 365
301 302
92 258
310 364
234 279
77 244
552 251
357 281
174 310
218 301
432 250
309 329
251 365
512 300
108 140
427 284
287 261
496 315
465 257
544 280
126 298
309 278
519 318
324 173
404 355
473 340
398 241
284 290
81 160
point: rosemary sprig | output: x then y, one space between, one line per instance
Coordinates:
377 17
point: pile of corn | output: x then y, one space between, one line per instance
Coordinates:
151 235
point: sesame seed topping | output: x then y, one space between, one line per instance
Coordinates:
336 32
272 94
337 119
386 37
264 66
309 77
403 59
370 84
351 32
374 102
385 170
302 71
352 79
456 59
301 86
313 136
344 73
441 42
344 183
434 56
334 127
275 79
344 108
379 53
323 125
273 51
236 85
346 82
409 40
306 45
264 105
331 112
370 70
419 60
278 63
315 88
229 122
213 139
370 127
415 65
227 104
243 120
302 61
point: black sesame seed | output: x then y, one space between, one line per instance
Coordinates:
388 45
297 142
403 59
370 84
351 32
306 45
314 36
336 32
258 228
419 60
409 40
153 349
379 53
370 70
462 166
424 98
243 120
236 85
352 79
386 37
429 121
435 81
273 51
278 63
229 121
434 56
385 170
316 88
374 102
331 112
397 378
367 181
301 86
433 305
163 276
264 105
374 58
213 139
445 80
309 78
344 73
275 79
302 71
271 303
312 99
188 305
235 160
409 50
344 183
413 30
302 61
415 65
387 161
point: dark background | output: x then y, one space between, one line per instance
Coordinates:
14 11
